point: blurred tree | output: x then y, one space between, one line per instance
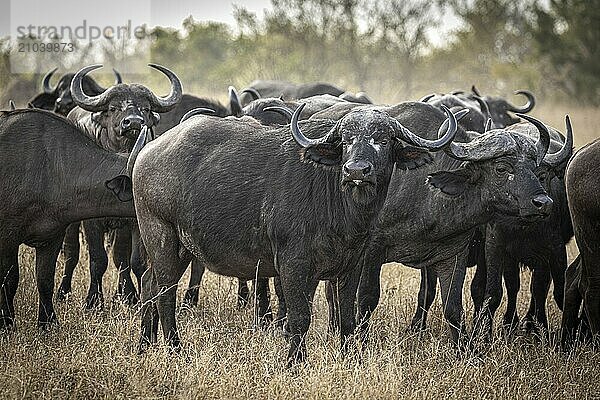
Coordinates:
399 28
567 36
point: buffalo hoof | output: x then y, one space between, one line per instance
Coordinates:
63 293
265 321
532 326
94 301
243 297
126 299
48 324
191 297
6 323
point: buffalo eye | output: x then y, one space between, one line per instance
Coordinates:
146 109
503 168
383 142
112 108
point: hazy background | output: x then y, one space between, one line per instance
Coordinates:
394 50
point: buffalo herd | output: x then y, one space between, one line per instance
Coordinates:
303 183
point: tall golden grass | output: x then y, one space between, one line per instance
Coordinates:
93 354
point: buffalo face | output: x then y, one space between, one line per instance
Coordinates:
365 144
125 108
503 165
126 116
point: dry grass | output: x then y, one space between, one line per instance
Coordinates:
92 354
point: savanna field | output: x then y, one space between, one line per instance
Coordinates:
93 354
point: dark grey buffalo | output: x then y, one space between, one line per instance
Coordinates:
114 120
540 245
499 107
291 91
52 175
583 275
430 216
58 98
253 202
478 116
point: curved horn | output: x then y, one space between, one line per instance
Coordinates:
475 91
234 101
164 104
89 103
137 147
485 110
286 112
434 145
11 105
427 98
528 106
118 78
488 125
566 151
457 92
197 111
252 92
544 141
46 81
297 133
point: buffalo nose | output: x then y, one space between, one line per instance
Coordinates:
358 169
132 122
543 203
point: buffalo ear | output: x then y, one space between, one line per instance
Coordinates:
121 186
98 117
454 182
409 157
45 101
326 154
155 118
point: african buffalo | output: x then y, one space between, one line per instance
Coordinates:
430 216
540 245
55 176
301 209
58 98
114 120
583 276
499 107
478 116
289 90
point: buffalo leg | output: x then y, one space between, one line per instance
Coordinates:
497 259
121 252
558 266
9 280
478 284
572 303
512 281
148 293
331 288
369 287
138 255
243 298
299 290
344 310
45 267
281 306
94 235
263 315
427 290
451 274
192 292
540 285
71 251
